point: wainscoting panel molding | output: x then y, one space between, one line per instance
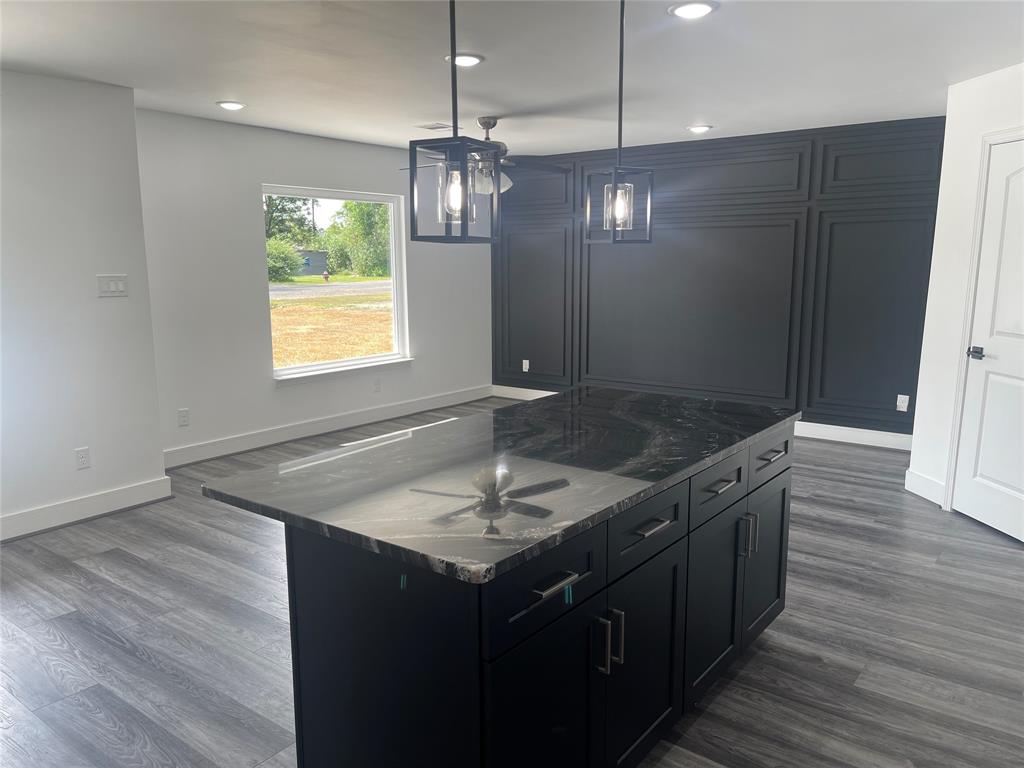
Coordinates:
787 268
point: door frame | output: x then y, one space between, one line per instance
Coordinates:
988 142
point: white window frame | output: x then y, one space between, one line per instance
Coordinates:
400 326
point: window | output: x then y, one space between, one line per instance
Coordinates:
335 269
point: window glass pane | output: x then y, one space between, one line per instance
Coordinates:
329 269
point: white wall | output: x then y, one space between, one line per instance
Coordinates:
974 107
77 370
201 195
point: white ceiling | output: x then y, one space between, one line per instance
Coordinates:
371 71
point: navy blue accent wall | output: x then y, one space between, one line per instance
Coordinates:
788 268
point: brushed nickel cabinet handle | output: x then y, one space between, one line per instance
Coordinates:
571 578
757 529
718 492
651 527
748 528
621 616
772 456
606 669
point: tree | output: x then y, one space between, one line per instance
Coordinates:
290 218
283 260
365 230
334 243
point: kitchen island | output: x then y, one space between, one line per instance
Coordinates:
548 584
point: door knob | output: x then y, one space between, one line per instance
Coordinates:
976 353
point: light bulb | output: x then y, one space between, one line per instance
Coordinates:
620 210
453 193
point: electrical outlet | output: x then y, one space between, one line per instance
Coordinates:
902 403
111 286
82 460
183 417
376 385
526 366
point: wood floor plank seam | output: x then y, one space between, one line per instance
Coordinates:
900 645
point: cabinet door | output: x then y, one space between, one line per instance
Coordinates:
714 595
764 577
544 700
644 690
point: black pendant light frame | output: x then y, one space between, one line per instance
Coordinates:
617 175
461 153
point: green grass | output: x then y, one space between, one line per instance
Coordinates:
319 279
334 302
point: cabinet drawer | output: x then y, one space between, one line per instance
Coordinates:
770 456
646 529
532 595
717 487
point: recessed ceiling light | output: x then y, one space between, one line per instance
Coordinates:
693 11
698 128
231 106
465 59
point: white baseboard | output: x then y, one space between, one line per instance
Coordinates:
854 435
26 521
210 449
518 393
925 487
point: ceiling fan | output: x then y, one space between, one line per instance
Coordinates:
486 163
494 502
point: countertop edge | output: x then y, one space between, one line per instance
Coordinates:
485 574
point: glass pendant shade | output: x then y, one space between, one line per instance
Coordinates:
452 192
618 205
449 203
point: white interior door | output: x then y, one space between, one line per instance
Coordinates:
989 482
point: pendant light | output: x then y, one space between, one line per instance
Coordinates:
619 200
448 204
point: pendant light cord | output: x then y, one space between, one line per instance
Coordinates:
455 78
622 45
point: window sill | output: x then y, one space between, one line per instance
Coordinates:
320 369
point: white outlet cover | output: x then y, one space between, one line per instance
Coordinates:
902 403
526 366
82 458
183 416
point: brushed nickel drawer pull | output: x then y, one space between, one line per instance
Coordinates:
571 578
728 484
772 456
606 669
621 616
651 527
757 529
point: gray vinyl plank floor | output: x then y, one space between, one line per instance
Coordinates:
158 636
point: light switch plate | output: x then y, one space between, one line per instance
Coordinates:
111 286
902 403
526 366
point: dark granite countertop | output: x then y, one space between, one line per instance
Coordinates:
475 496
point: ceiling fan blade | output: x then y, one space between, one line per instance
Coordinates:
528 510
442 493
537 488
429 165
449 518
521 161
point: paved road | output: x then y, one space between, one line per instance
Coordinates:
311 291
